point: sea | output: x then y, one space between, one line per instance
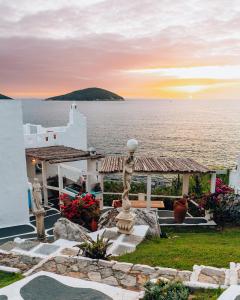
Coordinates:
205 130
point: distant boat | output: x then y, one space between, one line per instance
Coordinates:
89 94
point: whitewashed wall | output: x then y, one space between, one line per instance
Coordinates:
13 176
74 134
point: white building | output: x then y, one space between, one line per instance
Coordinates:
60 151
29 151
74 134
13 174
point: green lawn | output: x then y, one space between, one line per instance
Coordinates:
206 294
183 250
8 278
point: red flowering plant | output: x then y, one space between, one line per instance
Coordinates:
216 202
64 199
222 188
212 201
82 210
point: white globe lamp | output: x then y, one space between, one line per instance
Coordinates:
132 145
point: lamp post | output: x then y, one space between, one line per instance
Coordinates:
125 219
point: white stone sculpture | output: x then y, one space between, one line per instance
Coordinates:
37 195
125 219
38 209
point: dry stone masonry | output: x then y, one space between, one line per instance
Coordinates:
21 262
130 276
120 274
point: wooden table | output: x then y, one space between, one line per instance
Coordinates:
143 203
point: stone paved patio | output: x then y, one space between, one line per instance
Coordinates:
48 286
28 231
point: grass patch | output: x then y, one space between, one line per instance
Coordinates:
8 278
203 294
184 249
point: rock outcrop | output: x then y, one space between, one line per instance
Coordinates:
4 97
65 229
143 217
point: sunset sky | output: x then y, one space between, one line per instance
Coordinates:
162 49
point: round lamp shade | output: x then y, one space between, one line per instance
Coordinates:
92 151
132 145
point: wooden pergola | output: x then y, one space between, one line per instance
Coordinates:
148 166
59 155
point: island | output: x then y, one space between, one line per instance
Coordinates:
4 97
88 94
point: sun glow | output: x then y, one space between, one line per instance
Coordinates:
226 72
188 88
181 82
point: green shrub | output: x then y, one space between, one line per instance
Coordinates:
162 290
96 249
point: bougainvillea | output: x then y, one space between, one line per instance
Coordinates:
216 202
213 201
82 210
222 188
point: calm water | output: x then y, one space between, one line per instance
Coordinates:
208 131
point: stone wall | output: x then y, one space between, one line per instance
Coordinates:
114 273
21 262
125 275
133 276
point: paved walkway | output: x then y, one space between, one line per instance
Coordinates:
29 231
45 287
49 286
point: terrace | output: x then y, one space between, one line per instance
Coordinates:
147 167
184 254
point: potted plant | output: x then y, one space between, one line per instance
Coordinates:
180 208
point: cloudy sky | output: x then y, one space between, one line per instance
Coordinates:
137 48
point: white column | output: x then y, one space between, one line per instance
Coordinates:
31 173
149 191
102 188
213 182
91 169
44 180
185 186
60 179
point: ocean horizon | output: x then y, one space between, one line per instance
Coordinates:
205 130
